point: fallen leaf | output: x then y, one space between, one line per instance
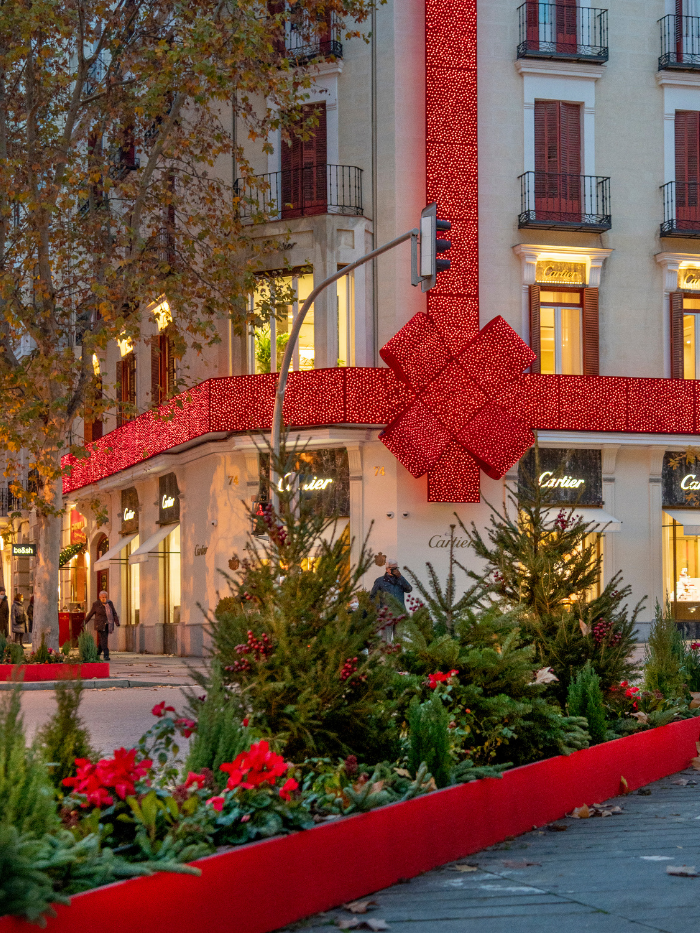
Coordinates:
518 863
545 675
359 907
695 762
464 868
625 786
640 717
585 629
376 924
683 871
377 786
402 772
431 785
557 827
694 703
580 813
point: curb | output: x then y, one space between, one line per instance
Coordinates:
97 683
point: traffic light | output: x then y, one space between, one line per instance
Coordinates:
431 245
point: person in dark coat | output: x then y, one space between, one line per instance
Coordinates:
18 618
392 583
105 619
30 614
4 613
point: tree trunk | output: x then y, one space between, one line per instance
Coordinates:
46 569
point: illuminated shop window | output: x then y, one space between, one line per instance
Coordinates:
275 333
681 570
170 577
345 296
131 585
691 338
561 344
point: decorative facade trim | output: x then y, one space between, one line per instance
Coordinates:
531 253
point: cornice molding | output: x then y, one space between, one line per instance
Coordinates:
530 253
545 68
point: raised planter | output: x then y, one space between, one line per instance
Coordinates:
261 887
31 673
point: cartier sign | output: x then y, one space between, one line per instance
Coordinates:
680 481
552 272
168 500
570 476
689 279
130 511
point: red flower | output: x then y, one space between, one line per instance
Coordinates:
160 709
187 726
119 774
199 779
217 803
245 722
289 786
439 678
256 766
630 692
695 645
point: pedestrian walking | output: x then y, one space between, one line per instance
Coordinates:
392 583
30 614
18 618
105 619
4 613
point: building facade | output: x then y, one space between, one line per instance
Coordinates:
578 225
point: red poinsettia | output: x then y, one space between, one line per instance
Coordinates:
160 709
195 779
217 803
186 726
119 774
256 766
288 788
439 678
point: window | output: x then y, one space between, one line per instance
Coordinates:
687 135
276 331
162 367
345 295
553 28
561 346
170 550
304 168
131 585
126 387
92 427
557 160
102 582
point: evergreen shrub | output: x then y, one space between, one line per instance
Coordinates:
585 698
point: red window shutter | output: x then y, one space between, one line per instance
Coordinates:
119 390
534 295
676 304
275 8
591 330
304 167
170 365
131 377
687 133
570 142
566 12
532 12
156 396
547 136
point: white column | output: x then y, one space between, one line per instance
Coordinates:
610 557
356 501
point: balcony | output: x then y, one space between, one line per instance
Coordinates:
303 44
562 31
681 209
564 202
680 43
303 192
9 503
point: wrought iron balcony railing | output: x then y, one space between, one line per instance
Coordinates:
681 209
564 31
9 503
569 202
314 189
680 43
302 44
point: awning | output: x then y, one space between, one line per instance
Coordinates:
688 518
113 552
150 545
608 523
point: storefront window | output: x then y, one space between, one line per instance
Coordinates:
170 551
131 584
275 333
561 344
102 582
691 338
73 569
345 294
681 534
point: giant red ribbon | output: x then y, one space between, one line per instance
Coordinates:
452 423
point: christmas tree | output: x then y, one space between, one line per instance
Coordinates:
298 638
544 561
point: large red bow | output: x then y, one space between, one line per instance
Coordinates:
451 424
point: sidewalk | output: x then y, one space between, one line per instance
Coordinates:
127 669
602 875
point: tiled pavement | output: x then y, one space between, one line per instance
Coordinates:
601 875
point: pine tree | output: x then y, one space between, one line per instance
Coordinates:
542 561
664 656
308 670
64 737
585 698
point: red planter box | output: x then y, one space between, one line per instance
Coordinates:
31 673
261 887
